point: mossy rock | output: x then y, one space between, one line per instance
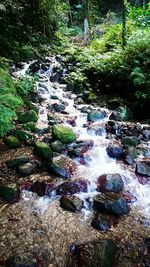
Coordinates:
96 115
23 135
130 141
7 194
29 116
12 141
57 146
63 134
16 161
30 126
43 150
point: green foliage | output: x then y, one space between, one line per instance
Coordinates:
25 85
6 118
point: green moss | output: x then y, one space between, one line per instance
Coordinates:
43 150
30 126
12 141
63 134
29 116
23 135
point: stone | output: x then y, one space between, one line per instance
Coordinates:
115 151
130 141
130 155
39 188
95 253
63 134
16 161
17 261
43 150
111 203
116 116
72 187
96 115
85 109
26 169
96 129
110 183
58 107
57 146
29 116
30 126
8 194
12 141
23 135
71 203
103 222
143 167
63 166
79 101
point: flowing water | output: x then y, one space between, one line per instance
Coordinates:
98 162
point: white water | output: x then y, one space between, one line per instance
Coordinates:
98 163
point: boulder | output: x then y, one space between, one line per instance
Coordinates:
43 150
95 253
26 169
110 183
130 155
72 187
57 146
71 203
8 194
143 167
29 116
30 126
16 161
63 166
12 141
63 134
96 115
58 107
23 135
130 141
111 203
79 101
39 188
115 151
97 129
103 222
121 114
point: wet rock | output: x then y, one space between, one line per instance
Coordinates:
71 203
30 126
55 97
63 134
103 222
113 127
26 169
79 101
86 109
39 188
80 148
115 151
8 194
111 203
55 77
116 116
96 115
130 141
73 187
143 167
129 197
17 261
29 116
63 166
16 161
121 114
57 146
146 133
72 121
34 67
43 150
23 135
130 155
12 141
58 107
96 253
110 182
96 129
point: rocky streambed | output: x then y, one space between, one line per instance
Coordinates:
74 180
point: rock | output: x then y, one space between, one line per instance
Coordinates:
96 129
16 161
57 146
110 182
80 148
55 97
143 167
130 141
29 116
71 203
8 194
86 109
30 126
39 188
96 115
116 116
58 107
103 222
111 203
43 150
113 127
95 253
23 135
34 67
63 134
26 169
115 151
146 133
73 187
63 166
55 77
79 101
114 103
130 155
17 261
121 114
12 141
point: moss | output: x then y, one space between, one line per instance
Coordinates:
43 150
29 116
23 135
63 134
30 126
12 141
